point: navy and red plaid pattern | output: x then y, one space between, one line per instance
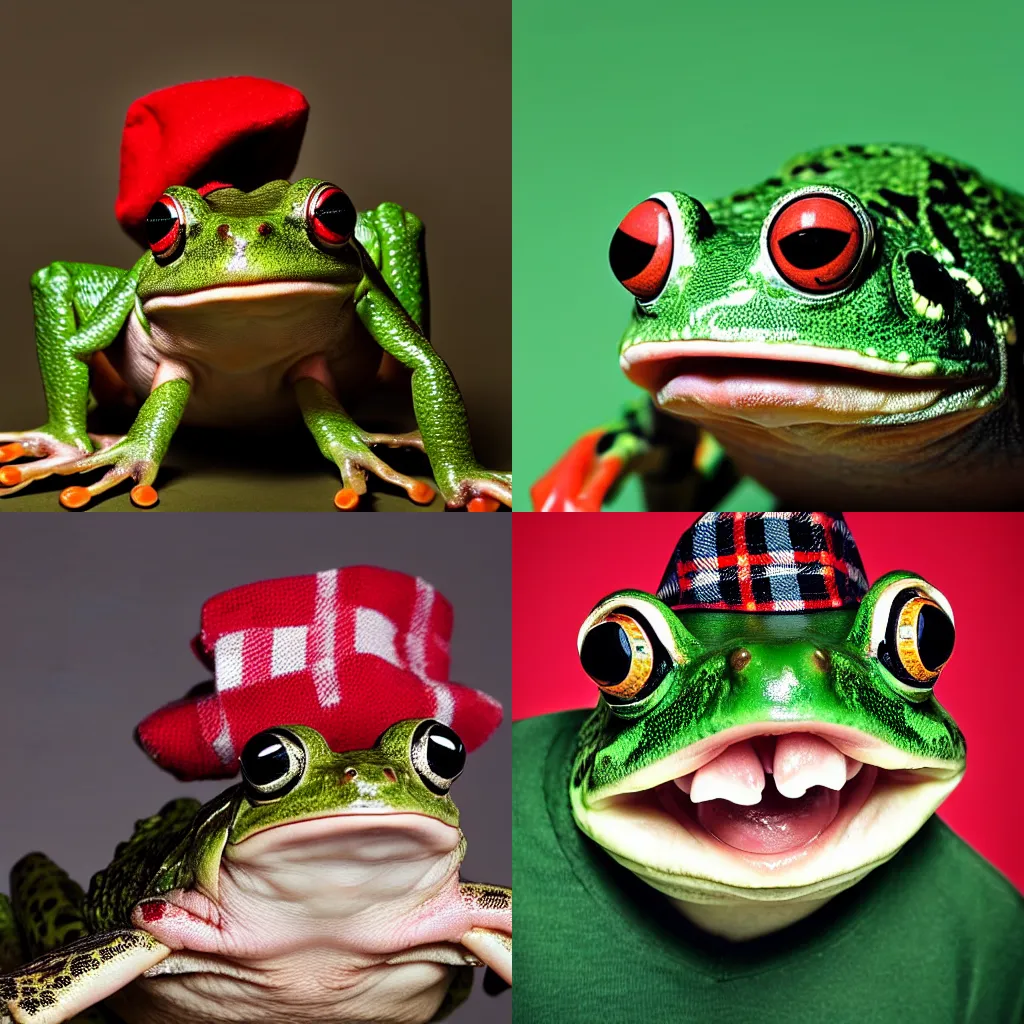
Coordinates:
765 562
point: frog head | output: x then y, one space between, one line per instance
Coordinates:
861 286
739 757
282 232
301 806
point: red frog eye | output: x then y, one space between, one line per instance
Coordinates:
816 243
331 216
165 226
641 249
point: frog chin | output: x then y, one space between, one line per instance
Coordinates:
730 841
783 384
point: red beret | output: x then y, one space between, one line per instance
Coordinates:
243 131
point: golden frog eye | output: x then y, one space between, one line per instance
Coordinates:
618 655
919 639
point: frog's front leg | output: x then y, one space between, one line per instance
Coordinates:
341 440
79 310
440 413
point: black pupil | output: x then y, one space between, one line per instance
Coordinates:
935 636
629 255
265 759
159 221
813 247
446 756
336 212
606 654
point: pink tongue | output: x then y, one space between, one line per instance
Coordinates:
776 824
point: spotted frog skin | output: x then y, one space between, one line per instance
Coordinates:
324 887
246 307
844 330
752 766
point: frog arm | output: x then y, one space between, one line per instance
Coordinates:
682 467
490 937
393 230
11 952
440 413
58 985
79 309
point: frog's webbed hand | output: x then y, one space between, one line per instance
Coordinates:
682 467
597 464
490 938
79 310
341 440
58 985
437 402
137 455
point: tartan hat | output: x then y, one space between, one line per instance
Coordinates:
765 562
348 652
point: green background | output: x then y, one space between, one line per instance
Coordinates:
613 101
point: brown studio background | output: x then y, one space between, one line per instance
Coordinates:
410 102
98 615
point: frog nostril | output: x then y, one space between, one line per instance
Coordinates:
264 229
739 659
223 232
822 660
390 775
350 774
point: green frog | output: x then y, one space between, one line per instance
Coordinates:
246 306
753 764
843 332
323 887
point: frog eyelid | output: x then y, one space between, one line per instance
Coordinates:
678 243
766 267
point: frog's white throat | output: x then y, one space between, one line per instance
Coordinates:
857 800
339 866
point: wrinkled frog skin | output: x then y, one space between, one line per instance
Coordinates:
846 331
752 766
325 887
246 307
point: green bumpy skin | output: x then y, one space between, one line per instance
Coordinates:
815 672
232 369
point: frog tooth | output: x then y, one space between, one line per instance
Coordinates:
735 775
803 761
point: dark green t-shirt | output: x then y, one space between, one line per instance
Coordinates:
935 936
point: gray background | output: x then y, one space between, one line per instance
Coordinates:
410 102
97 617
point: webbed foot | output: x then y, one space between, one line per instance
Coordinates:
353 456
477 489
124 458
50 451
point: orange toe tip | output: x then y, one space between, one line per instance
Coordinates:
75 497
480 504
10 475
10 452
144 496
346 499
421 493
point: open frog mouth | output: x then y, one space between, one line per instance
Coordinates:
767 811
783 383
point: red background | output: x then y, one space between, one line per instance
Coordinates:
563 565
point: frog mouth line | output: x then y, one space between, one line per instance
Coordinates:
780 805
782 383
257 290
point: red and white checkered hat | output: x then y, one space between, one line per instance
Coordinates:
765 562
348 652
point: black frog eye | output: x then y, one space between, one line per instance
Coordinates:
437 755
273 762
165 227
622 655
817 243
919 640
330 216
